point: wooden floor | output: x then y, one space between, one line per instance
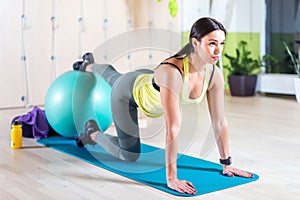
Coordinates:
264 138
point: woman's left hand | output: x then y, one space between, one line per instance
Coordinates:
231 171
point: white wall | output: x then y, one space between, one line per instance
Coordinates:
192 10
250 16
247 16
38 38
237 15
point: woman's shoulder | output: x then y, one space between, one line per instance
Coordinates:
175 62
217 77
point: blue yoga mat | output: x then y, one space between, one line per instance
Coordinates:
149 168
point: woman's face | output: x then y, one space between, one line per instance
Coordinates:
211 46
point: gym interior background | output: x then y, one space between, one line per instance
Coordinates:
42 39
56 33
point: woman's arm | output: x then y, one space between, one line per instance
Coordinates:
170 82
215 98
173 124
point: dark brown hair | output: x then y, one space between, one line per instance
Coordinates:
200 28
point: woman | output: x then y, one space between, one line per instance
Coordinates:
185 77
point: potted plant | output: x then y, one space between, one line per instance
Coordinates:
243 70
296 63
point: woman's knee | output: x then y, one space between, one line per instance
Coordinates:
129 156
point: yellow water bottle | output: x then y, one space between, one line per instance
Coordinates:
16 135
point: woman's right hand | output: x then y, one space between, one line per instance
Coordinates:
170 82
182 186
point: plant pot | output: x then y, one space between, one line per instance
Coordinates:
242 85
297 89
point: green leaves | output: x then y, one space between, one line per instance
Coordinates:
173 7
295 60
242 63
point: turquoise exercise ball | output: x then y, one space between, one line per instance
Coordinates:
74 98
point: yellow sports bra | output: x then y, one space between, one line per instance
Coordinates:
185 93
147 97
